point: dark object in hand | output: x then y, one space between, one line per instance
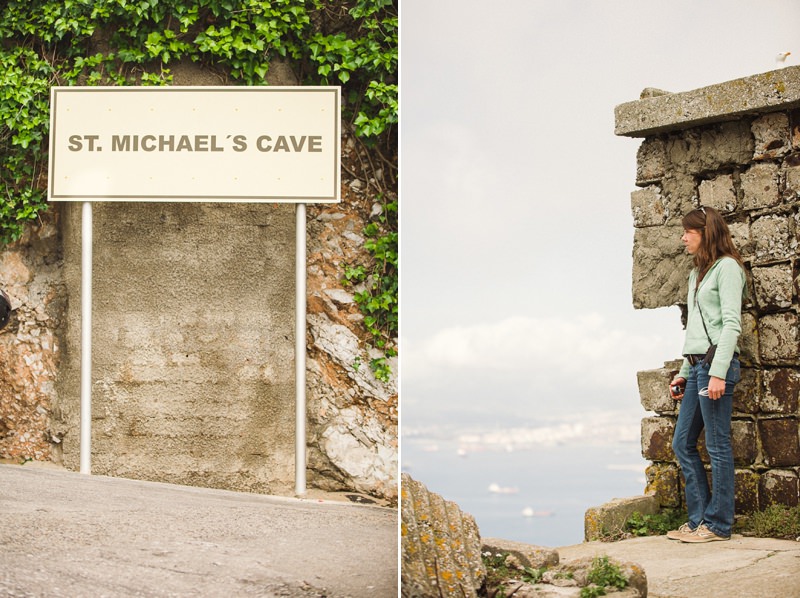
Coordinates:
676 390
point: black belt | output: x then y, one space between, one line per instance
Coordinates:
694 359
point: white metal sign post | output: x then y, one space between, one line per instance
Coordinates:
192 144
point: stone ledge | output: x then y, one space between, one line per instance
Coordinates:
765 92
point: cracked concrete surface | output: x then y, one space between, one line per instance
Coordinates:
68 534
740 567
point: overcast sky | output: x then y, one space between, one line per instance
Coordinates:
516 230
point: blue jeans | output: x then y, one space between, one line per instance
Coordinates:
711 506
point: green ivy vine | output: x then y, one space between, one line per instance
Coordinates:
352 43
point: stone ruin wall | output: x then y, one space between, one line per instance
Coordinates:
735 147
243 439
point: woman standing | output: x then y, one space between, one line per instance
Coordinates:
709 372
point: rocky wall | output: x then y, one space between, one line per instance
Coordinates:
194 340
735 147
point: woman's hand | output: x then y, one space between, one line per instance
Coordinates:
681 382
716 388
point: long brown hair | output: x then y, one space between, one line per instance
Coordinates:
716 241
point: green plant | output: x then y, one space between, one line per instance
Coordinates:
378 299
603 574
776 521
639 524
352 43
134 42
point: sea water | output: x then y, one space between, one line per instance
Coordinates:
536 493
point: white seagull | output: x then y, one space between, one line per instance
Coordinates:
781 58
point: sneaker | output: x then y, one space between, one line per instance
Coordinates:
703 534
677 534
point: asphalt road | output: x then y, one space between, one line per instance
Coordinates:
67 534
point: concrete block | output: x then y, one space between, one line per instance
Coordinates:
771 134
651 161
724 144
791 177
781 391
746 490
663 481
660 267
718 193
657 438
647 207
760 187
794 128
747 393
780 441
774 286
771 238
779 487
654 388
609 518
749 354
778 338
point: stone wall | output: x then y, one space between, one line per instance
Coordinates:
735 147
193 338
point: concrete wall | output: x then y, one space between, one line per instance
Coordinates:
734 146
193 343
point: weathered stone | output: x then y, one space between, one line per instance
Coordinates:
745 489
660 267
650 161
724 144
527 555
760 187
679 192
763 92
779 487
794 125
718 193
441 546
647 207
579 570
663 481
657 438
740 233
743 438
654 388
792 180
30 351
683 150
771 133
782 388
750 355
774 287
780 441
747 393
772 239
609 518
778 338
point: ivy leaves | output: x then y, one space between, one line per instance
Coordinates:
352 43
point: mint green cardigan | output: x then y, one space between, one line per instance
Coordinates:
720 298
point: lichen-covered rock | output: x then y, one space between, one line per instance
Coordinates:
527 555
441 546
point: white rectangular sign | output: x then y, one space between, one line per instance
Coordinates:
235 144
